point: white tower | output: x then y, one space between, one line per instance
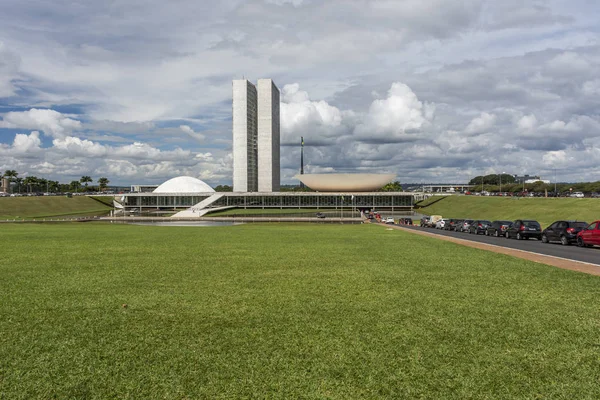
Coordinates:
256 144
245 170
268 136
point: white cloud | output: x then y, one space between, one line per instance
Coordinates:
481 124
51 122
76 147
9 64
527 122
555 158
315 120
591 88
23 145
195 135
295 3
399 117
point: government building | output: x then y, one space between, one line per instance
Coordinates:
256 172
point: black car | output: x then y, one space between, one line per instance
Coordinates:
320 215
450 224
524 229
563 231
497 228
425 221
479 226
405 221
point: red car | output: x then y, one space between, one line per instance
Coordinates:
589 236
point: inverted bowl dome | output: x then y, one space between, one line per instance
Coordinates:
184 184
345 182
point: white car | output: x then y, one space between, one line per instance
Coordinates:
389 220
440 224
578 195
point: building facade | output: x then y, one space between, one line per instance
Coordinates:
256 132
268 136
245 146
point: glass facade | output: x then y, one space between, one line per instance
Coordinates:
275 200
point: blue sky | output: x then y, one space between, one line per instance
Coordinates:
435 91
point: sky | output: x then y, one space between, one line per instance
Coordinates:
434 91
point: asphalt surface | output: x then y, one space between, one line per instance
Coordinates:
573 252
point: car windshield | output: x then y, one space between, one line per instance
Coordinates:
531 224
579 224
485 222
468 221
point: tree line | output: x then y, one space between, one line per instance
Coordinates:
507 183
32 184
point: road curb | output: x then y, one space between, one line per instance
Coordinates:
554 261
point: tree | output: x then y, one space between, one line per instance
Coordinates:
392 187
223 188
85 180
75 185
18 181
103 183
30 182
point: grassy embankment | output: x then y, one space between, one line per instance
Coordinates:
50 206
544 210
286 311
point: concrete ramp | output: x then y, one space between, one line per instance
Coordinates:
199 209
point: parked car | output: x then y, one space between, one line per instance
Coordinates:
563 231
424 221
578 195
497 228
458 224
479 226
524 229
320 215
389 220
450 224
466 224
441 224
433 221
589 236
405 221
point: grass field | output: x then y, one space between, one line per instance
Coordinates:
544 210
286 311
50 206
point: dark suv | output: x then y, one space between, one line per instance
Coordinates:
563 231
524 229
497 228
479 226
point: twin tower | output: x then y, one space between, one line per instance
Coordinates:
255 136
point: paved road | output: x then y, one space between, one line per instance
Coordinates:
587 254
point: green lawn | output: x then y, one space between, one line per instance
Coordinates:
50 206
286 311
544 210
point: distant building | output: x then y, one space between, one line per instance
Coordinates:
143 188
4 185
256 159
526 178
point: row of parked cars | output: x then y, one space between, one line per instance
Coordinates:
565 232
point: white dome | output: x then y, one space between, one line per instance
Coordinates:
184 184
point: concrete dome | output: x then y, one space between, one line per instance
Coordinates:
345 182
184 184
